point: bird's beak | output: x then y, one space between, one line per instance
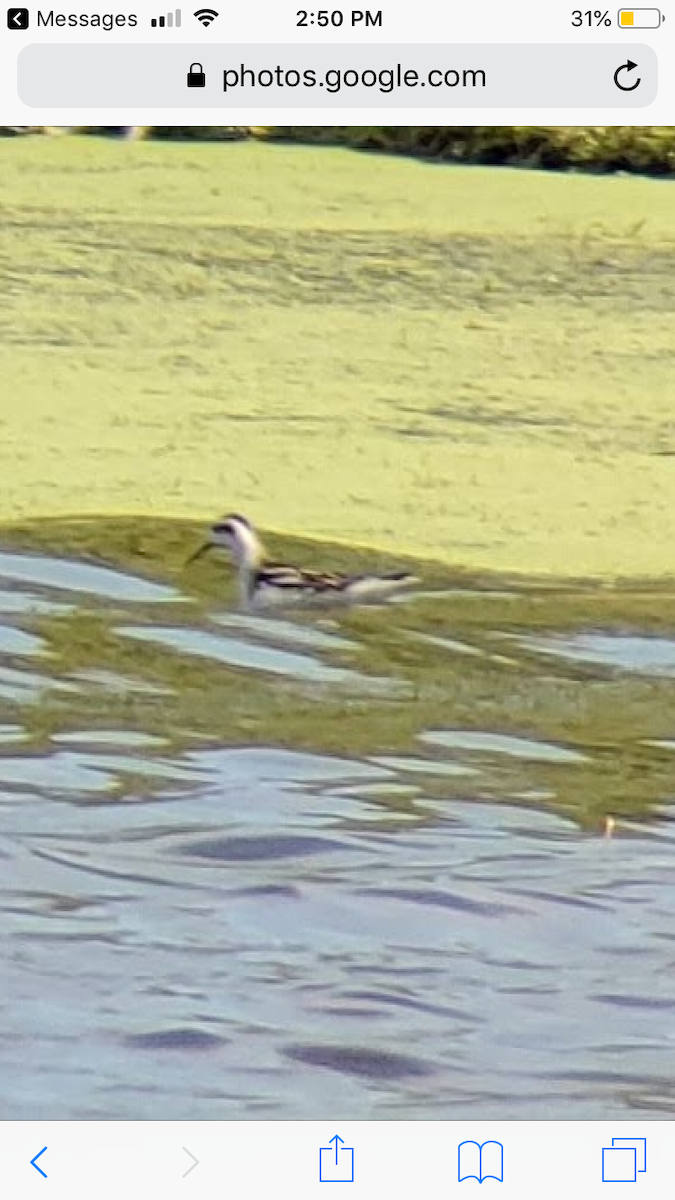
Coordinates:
198 553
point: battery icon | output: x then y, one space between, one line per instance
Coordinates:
640 18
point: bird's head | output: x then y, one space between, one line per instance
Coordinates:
236 534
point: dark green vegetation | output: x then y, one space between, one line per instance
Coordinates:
642 149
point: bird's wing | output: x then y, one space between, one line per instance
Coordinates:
283 575
291 579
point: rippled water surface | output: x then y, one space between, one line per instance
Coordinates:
407 862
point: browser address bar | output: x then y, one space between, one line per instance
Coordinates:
344 76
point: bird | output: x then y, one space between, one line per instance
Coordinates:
264 584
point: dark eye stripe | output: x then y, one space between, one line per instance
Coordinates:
229 524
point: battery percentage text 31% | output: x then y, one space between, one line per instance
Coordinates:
590 18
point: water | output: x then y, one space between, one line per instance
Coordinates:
348 865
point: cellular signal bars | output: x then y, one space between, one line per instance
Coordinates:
168 22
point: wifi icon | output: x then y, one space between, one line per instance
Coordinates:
206 16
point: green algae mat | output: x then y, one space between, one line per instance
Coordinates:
472 365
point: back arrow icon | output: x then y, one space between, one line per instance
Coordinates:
626 87
195 1162
34 1163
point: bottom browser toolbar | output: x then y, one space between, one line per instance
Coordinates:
208 1159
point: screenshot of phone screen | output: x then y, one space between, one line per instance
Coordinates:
337 601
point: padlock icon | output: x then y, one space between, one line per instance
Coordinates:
196 76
